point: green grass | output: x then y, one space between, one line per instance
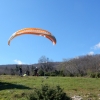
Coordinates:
16 87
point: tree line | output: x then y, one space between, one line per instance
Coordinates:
88 65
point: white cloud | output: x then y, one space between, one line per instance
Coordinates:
97 46
18 62
91 53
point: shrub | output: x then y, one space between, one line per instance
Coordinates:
98 75
52 74
47 73
48 93
41 72
4 73
93 75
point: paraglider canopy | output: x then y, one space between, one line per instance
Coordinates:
33 31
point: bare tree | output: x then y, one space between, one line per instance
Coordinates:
81 65
45 64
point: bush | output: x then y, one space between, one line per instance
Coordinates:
98 75
4 73
47 74
41 72
93 75
52 74
48 93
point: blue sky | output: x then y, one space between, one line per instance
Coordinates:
74 23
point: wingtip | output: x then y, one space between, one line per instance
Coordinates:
54 43
9 43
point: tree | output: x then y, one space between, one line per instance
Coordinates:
28 70
17 69
32 69
12 71
82 65
45 64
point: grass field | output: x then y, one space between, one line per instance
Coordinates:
16 87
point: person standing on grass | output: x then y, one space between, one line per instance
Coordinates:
20 70
36 71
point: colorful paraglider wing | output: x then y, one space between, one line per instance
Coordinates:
34 31
52 38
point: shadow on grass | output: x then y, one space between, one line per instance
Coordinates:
5 85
